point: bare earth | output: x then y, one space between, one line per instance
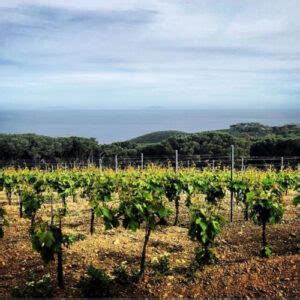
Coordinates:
239 272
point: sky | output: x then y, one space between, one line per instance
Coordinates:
135 54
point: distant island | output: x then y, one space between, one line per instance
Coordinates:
250 139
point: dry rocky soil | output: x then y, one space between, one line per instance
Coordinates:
239 271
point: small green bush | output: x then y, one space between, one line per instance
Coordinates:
265 208
266 251
201 257
205 225
96 283
34 288
161 265
3 221
121 273
296 200
123 276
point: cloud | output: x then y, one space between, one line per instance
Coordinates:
8 62
33 19
171 51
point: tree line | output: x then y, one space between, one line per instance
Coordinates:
250 139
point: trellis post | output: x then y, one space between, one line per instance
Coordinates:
176 161
100 164
142 161
231 177
242 165
116 163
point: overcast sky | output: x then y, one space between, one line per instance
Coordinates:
142 53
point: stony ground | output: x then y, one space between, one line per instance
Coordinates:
239 272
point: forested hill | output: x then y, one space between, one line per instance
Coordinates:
249 139
244 130
156 137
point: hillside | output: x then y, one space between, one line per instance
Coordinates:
250 139
156 137
245 130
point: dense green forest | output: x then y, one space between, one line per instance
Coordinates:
156 137
249 139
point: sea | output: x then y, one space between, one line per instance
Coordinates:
109 126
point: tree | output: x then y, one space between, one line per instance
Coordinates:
214 188
276 147
176 184
205 225
241 187
265 209
3 221
32 202
143 202
103 190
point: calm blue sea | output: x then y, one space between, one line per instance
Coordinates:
118 125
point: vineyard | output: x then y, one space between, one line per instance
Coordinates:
156 232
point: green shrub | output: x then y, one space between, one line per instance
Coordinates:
296 200
266 251
3 221
205 225
96 283
265 209
161 265
34 288
122 274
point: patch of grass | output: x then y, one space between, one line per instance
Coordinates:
34 288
